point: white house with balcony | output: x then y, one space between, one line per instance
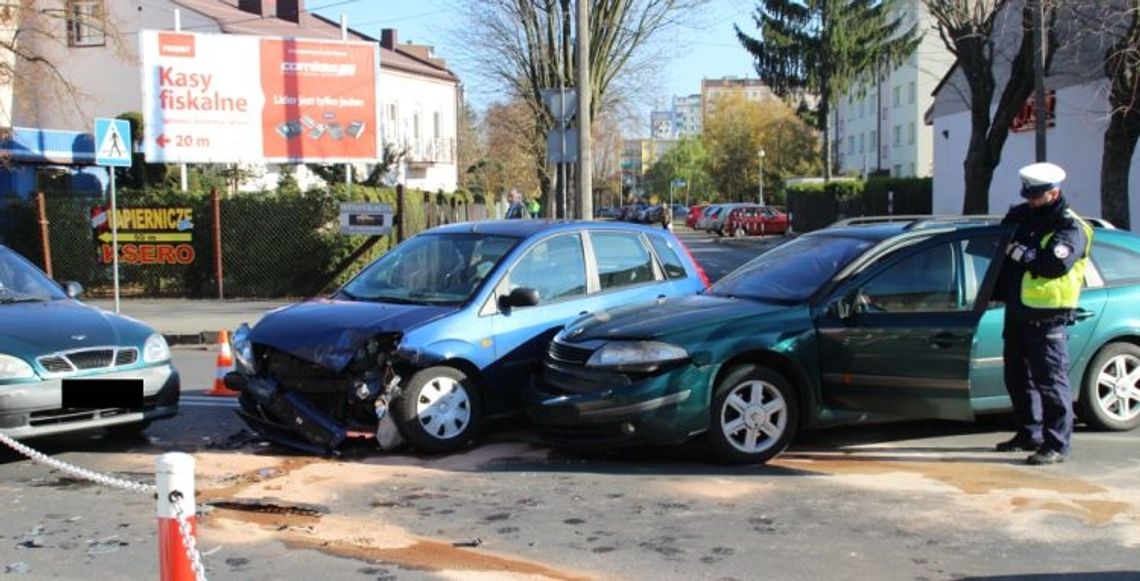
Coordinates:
93 46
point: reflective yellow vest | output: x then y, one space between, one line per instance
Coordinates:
1062 292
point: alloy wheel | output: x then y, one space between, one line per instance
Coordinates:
754 416
1118 387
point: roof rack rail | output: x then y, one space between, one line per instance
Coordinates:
915 221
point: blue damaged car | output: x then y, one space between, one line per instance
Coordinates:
444 330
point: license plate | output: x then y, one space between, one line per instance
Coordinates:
102 393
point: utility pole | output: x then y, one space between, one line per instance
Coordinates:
1040 114
585 141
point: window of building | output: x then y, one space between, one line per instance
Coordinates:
910 170
86 23
910 133
910 92
416 125
895 96
862 143
897 129
437 124
850 144
897 170
874 140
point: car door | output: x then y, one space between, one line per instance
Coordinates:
625 271
900 339
987 376
554 266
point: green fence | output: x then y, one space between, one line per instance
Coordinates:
271 245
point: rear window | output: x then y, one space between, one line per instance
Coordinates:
667 254
622 259
1115 264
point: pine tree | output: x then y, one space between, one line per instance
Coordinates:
819 49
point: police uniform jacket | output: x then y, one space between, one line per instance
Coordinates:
1054 260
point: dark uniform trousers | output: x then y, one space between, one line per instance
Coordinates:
1037 377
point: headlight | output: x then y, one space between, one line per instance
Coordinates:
243 349
637 356
155 349
15 368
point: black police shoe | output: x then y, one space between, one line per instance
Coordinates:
1045 457
1018 444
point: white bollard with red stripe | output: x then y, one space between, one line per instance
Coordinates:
177 553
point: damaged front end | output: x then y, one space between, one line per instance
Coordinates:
316 398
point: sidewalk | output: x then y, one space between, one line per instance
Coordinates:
184 321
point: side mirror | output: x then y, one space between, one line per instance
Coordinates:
520 297
73 289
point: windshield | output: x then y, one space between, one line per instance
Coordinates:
430 269
791 272
20 281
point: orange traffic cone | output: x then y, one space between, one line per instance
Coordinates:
225 365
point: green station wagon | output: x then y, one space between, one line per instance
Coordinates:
848 324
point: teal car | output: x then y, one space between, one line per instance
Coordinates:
848 324
66 366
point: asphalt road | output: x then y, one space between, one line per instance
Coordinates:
925 500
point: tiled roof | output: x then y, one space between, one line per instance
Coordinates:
232 20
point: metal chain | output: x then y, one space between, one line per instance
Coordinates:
188 541
84 473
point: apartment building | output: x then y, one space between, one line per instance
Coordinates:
879 125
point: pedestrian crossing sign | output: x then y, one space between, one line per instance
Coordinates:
112 142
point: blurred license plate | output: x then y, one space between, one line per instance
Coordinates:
102 393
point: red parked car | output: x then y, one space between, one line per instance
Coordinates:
756 221
695 212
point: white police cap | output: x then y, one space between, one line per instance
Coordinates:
1038 178
1044 173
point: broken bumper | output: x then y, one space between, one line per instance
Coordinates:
284 418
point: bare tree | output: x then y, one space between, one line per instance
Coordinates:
526 46
1122 67
970 31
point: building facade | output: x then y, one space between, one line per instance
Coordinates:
662 124
878 126
751 89
93 48
687 115
1077 96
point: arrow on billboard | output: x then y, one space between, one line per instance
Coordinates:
161 140
148 237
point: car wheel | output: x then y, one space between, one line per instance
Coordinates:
438 410
739 232
754 415
1110 396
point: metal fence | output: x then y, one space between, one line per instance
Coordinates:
270 246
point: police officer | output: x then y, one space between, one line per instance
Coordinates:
1040 282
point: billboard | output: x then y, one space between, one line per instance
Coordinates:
214 98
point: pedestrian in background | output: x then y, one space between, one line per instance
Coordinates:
666 216
1040 283
534 208
516 210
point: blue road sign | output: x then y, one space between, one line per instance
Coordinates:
112 142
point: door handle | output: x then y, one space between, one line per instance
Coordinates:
583 313
1082 314
945 340
660 299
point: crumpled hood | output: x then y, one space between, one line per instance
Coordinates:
327 332
32 329
667 318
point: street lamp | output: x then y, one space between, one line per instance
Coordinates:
761 157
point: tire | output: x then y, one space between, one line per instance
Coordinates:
744 432
739 232
439 410
1108 401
